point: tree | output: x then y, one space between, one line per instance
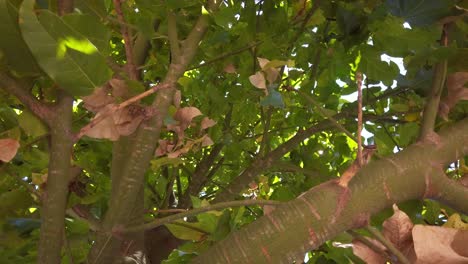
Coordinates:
117 116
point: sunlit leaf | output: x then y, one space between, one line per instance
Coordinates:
65 55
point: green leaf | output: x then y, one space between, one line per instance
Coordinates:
408 133
65 55
375 68
12 46
184 231
223 228
175 4
399 107
31 125
225 16
282 193
208 221
420 12
431 212
391 36
91 28
273 99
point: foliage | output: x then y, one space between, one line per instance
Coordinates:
245 115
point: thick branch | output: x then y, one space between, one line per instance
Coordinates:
172 34
55 199
144 144
323 212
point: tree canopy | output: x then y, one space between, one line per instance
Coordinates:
266 131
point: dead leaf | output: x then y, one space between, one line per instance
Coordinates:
207 122
367 254
398 228
258 80
127 119
163 147
8 149
207 141
455 221
98 99
119 88
435 244
271 75
456 92
185 115
262 62
106 128
230 68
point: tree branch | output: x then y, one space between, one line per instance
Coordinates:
55 197
131 67
403 176
433 98
388 244
172 34
144 144
20 89
172 218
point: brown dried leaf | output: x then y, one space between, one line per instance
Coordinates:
398 228
207 141
271 75
435 244
456 91
106 128
262 62
230 68
367 254
185 115
128 119
119 88
98 99
162 148
207 122
8 149
258 80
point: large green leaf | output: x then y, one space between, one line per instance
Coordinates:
420 12
391 36
90 27
12 47
68 57
375 68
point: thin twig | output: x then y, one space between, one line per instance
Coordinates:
218 206
324 113
131 68
225 55
389 245
19 88
367 242
359 115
